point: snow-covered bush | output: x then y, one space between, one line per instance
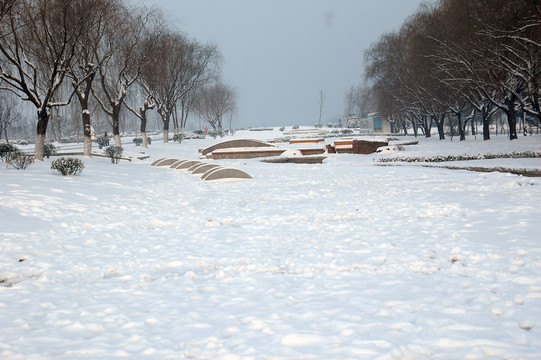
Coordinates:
6 150
20 161
464 157
178 138
68 166
137 141
114 152
102 141
48 150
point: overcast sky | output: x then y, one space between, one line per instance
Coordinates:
278 54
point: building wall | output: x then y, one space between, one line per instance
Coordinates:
379 123
374 123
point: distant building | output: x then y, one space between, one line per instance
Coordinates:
373 123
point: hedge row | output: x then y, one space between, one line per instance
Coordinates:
464 157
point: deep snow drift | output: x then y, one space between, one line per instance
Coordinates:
340 260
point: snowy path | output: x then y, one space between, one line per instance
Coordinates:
330 261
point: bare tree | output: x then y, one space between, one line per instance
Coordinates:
8 113
213 102
359 100
37 47
5 7
515 58
88 59
180 67
148 103
123 62
205 61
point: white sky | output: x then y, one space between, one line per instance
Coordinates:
278 54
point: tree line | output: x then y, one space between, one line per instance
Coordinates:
455 61
107 54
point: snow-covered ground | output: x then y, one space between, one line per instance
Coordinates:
340 260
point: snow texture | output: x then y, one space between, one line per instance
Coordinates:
340 260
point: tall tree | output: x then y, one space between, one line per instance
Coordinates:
213 102
88 58
124 32
38 45
180 67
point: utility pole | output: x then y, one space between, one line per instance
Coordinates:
321 98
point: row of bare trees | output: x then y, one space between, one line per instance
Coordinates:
460 59
84 53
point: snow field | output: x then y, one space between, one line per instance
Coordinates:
333 261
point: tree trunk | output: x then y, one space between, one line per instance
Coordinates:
145 139
87 147
439 124
414 125
166 134
175 121
43 120
461 128
511 117
425 126
143 114
116 124
184 117
486 125
165 118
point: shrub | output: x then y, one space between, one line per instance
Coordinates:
68 166
199 132
6 150
178 138
20 161
114 152
48 150
139 141
464 157
102 141
214 133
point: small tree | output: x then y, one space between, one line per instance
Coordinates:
68 166
102 141
114 152
48 150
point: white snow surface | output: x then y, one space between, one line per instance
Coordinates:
340 260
